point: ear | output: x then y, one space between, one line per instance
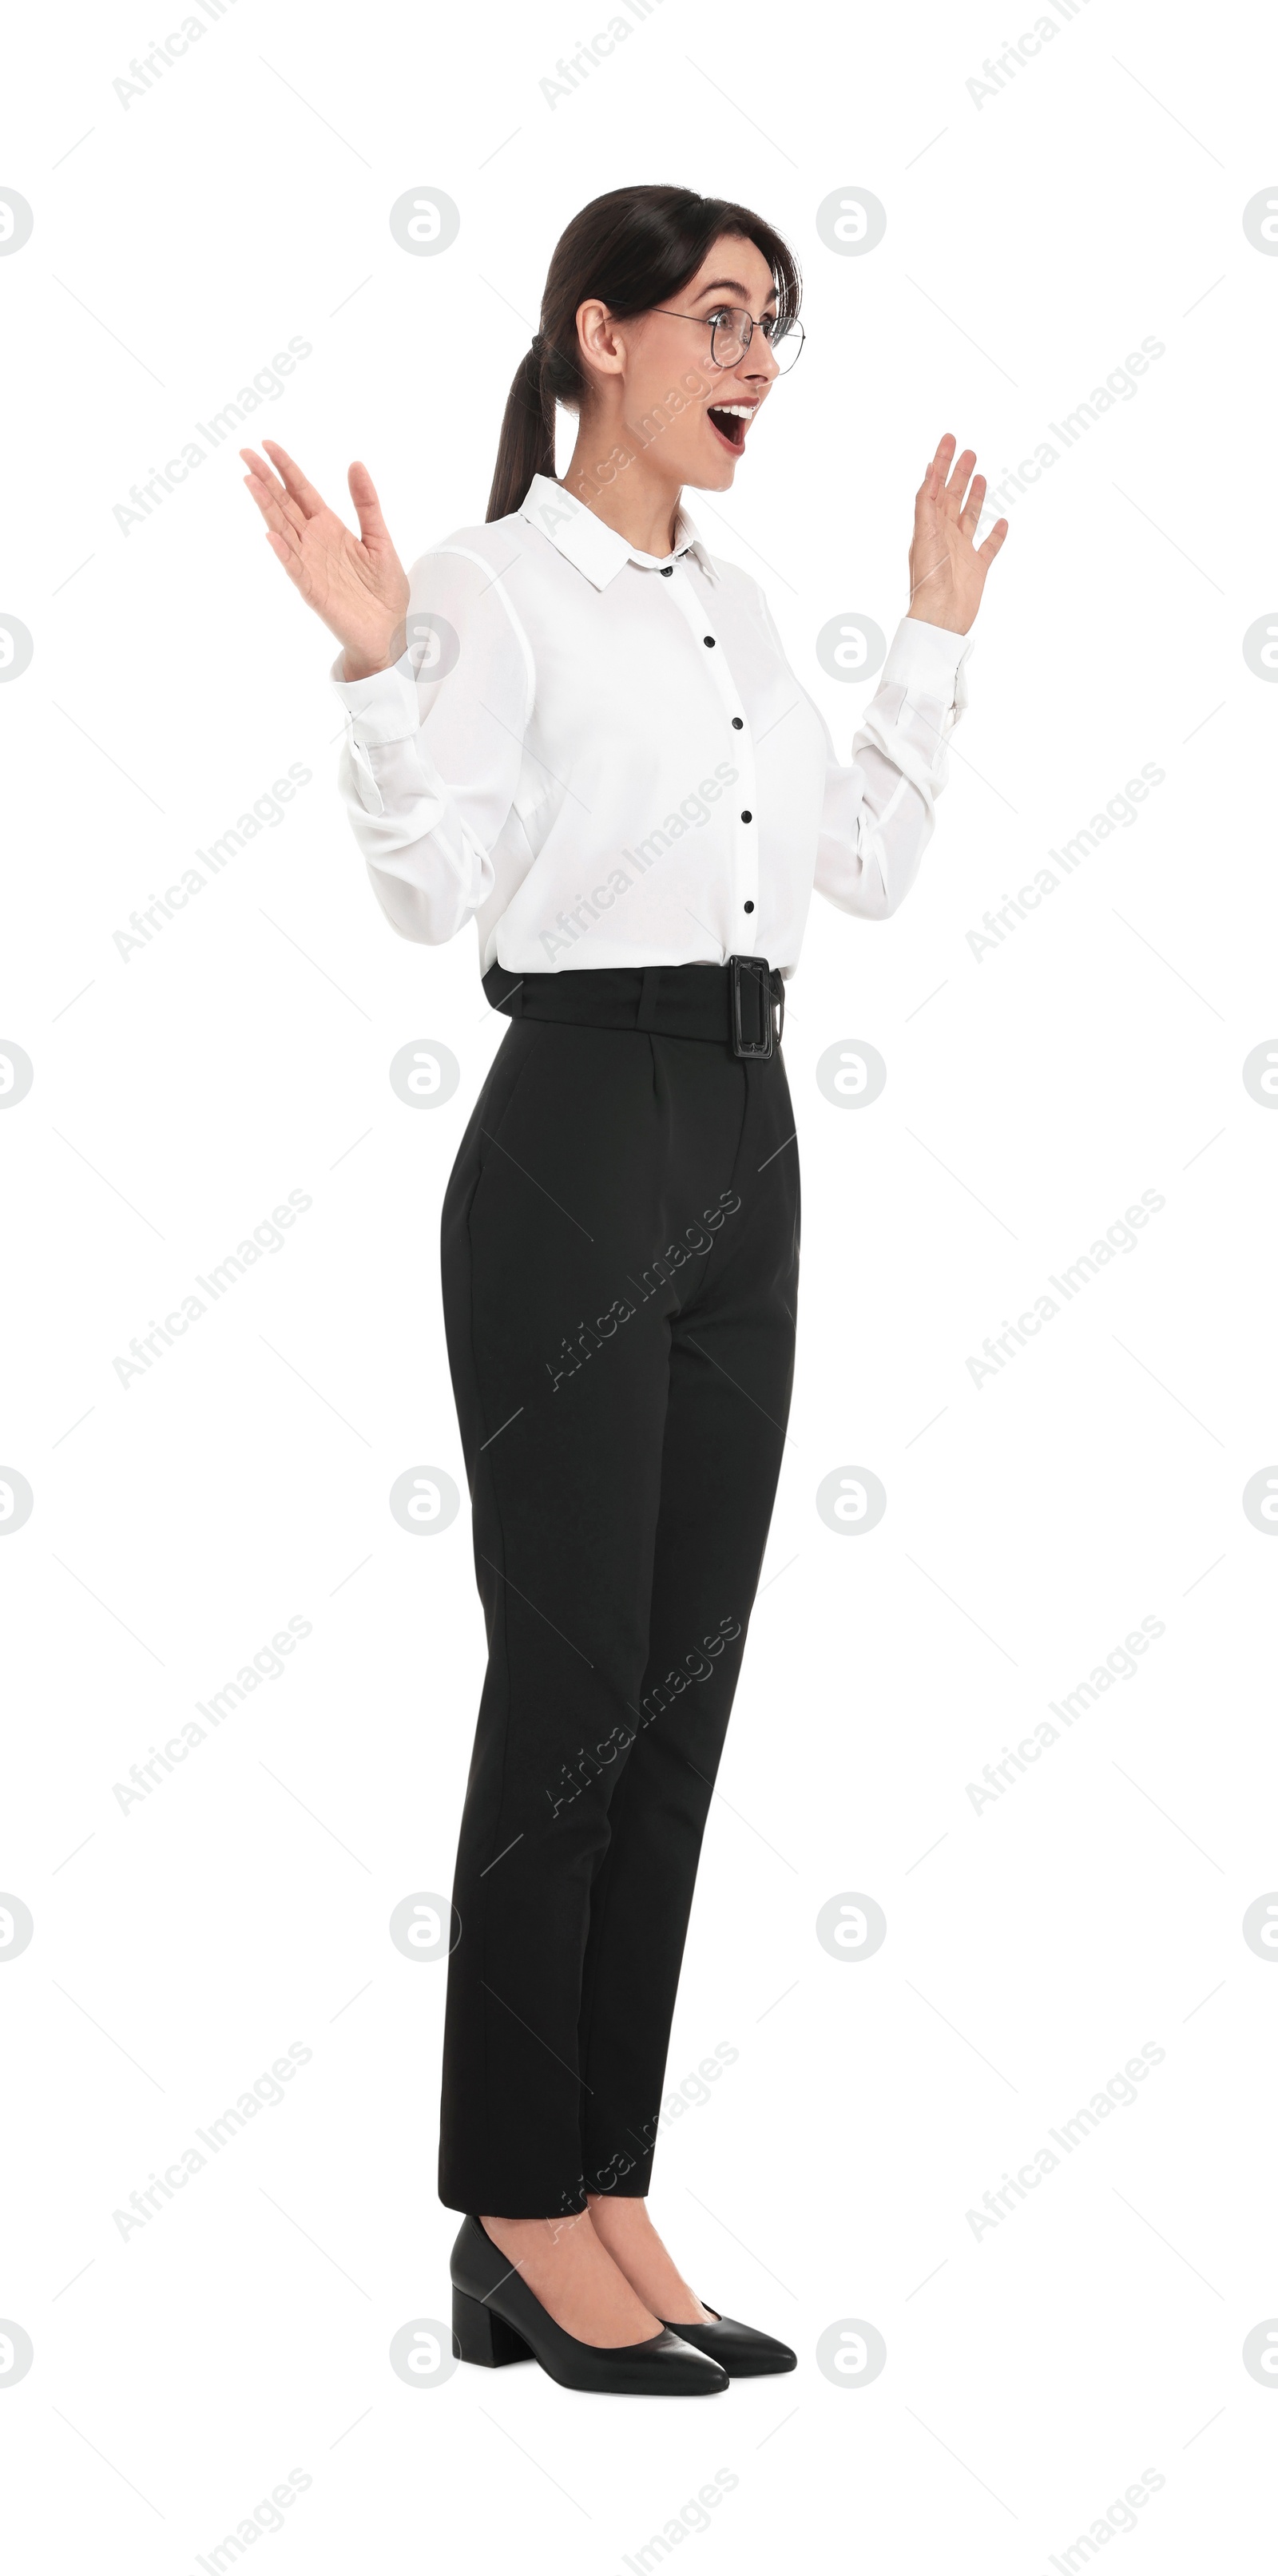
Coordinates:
600 339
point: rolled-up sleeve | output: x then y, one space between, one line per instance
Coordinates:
430 765
879 808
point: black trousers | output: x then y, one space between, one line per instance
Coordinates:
620 1247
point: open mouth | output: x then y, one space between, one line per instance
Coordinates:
730 421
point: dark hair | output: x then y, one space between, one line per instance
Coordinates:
632 249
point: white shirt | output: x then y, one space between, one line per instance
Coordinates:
603 758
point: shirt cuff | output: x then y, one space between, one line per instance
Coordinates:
928 661
384 707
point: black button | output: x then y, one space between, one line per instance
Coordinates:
747 817
748 907
666 571
736 724
707 639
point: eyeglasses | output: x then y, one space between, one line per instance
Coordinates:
732 330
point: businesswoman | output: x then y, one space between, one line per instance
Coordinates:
575 726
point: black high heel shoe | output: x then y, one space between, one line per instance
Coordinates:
740 2350
496 2319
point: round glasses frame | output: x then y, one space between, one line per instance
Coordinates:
738 329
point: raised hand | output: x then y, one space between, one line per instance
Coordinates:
356 584
947 570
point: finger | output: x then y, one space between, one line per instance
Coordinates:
283 541
294 480
264 473
956 485
972 510
289 557
933 482
279 512
368 508
985 554
263 481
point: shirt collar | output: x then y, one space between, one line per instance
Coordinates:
586 541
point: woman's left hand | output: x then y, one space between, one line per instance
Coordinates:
947 569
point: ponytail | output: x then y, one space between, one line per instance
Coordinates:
527 444
631 250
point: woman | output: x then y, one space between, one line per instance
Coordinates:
576 727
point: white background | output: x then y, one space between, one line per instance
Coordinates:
1034 2372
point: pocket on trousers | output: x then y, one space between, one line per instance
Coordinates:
497 1092
505 1082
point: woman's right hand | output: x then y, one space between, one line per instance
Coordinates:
356 584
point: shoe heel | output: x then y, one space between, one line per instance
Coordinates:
484 2338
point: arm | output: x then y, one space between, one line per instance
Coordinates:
431 761
878 812
436 679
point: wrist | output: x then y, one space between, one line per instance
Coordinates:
364 666
948 625
363 662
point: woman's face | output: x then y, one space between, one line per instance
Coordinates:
660 355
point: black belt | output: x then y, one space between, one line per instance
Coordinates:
733 1003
